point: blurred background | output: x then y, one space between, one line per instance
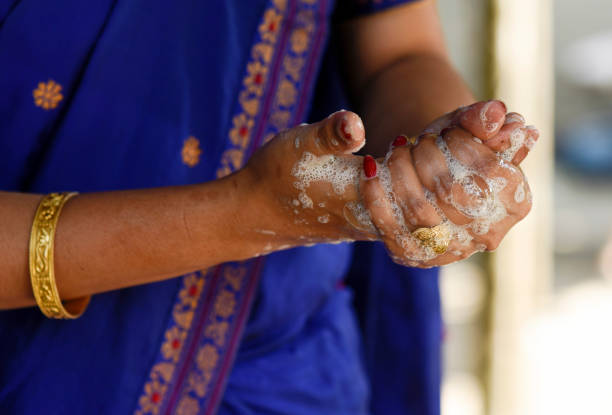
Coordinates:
529 328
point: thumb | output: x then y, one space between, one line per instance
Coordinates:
340 133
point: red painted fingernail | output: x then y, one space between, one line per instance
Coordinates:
344 130
369 166
400 140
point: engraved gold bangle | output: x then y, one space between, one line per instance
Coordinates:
42 273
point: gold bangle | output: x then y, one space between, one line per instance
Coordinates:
42 273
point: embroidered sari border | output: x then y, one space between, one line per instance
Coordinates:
211 310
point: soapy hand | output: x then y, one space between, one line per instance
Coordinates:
461 172
304 178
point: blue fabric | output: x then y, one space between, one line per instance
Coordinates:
138 80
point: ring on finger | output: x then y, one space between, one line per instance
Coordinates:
437 238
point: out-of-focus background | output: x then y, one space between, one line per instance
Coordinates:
529 328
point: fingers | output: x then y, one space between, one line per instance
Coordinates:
376 201
417 211
532 135
483 119
340 133
503 140
433 172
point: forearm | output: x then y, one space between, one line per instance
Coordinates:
406 95
106 241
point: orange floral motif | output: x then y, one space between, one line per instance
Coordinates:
217 332
171 349
152 398
269 29
207 358
198 383
299 40
241 131
191 151
47 95
210 352
187 406
263 51
233 276
225 303
280 119
256 77
287 93
192 287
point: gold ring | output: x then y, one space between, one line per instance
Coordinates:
437 238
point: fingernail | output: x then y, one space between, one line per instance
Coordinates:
400 140
503 104
344 129
369 166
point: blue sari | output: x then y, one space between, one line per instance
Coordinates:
113 95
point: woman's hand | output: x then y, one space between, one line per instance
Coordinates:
303 180
463 173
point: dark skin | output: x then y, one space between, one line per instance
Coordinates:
112 240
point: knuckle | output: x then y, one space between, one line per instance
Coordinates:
418 211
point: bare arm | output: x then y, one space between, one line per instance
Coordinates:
106 241
112 240
399 72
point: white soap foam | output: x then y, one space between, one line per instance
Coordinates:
519 193
517 138
305 200
514 117
340 172
323 219
488 125
361 214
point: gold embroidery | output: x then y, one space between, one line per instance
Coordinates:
240 133
162 372
191 290
287 93
233 276
217 332
187 406
198 384
191 151
256 77
47 95
280 119
225 303
218 323
249 99
293 66
263 51
299 41
152 398
269 29
172 346
207 358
